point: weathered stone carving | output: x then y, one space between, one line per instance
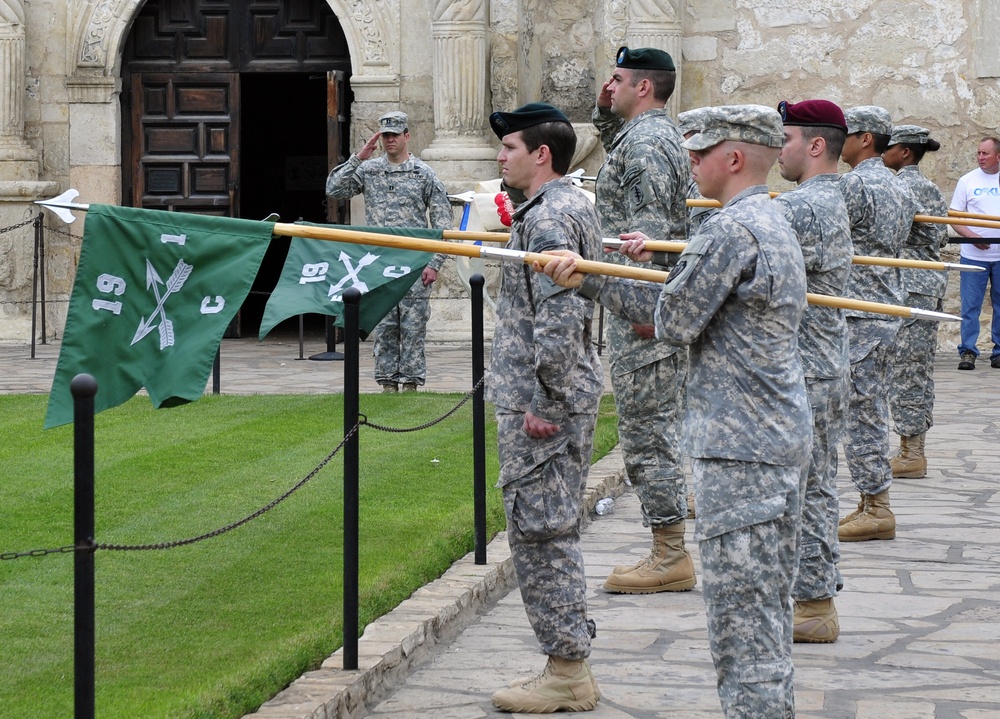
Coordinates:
459 10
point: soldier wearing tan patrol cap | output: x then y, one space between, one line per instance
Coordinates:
911 379
735 298
881 211
400 191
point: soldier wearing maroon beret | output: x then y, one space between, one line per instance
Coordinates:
815 132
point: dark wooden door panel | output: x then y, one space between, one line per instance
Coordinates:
184 35
290 35
185 125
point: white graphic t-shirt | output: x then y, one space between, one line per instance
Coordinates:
979 192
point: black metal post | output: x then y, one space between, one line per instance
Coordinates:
476 283
34 282
217 371
331 353
41 265
352 412
83 387
302 337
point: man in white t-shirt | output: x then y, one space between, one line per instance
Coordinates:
979 192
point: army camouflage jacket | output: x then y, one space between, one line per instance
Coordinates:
881 212
642 186
543 358
736 296
818 215
925 239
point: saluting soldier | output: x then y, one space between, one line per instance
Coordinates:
400 191
642 187
736 297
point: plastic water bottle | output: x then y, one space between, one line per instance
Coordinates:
605 506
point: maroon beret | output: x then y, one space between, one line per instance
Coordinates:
816 113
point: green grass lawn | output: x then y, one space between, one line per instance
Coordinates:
215 628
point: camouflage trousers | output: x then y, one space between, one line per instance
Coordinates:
866 444
817 576
650 406
543 482
911 384
399 339
747 525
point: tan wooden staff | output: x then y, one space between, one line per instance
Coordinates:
968 219
973 215
670 246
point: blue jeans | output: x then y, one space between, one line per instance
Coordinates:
972 286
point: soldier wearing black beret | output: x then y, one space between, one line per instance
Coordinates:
643 187
546 382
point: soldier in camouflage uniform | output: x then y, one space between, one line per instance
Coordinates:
736 297
815 131
400 191
911 393
546 382
881 212
642 187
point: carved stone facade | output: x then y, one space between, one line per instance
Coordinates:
449 62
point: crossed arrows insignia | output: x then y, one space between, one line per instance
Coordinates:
173 284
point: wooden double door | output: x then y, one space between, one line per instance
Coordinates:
236 108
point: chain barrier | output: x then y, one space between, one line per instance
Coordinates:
200 537
17 226
64 233
446 415
250 517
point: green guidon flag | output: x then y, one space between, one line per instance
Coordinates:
317 272
153 295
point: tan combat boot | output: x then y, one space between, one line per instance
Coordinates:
875 521
910 463
854 515
816 622
564 685
668 568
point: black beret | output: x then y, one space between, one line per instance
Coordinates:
534 113
644 58
814 113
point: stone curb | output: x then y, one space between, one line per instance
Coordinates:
394 644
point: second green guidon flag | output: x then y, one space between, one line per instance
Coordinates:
153 295
317 272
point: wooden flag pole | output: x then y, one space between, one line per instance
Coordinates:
670 246
973 215
969 219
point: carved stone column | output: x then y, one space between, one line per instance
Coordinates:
459 149
17 160
657 23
